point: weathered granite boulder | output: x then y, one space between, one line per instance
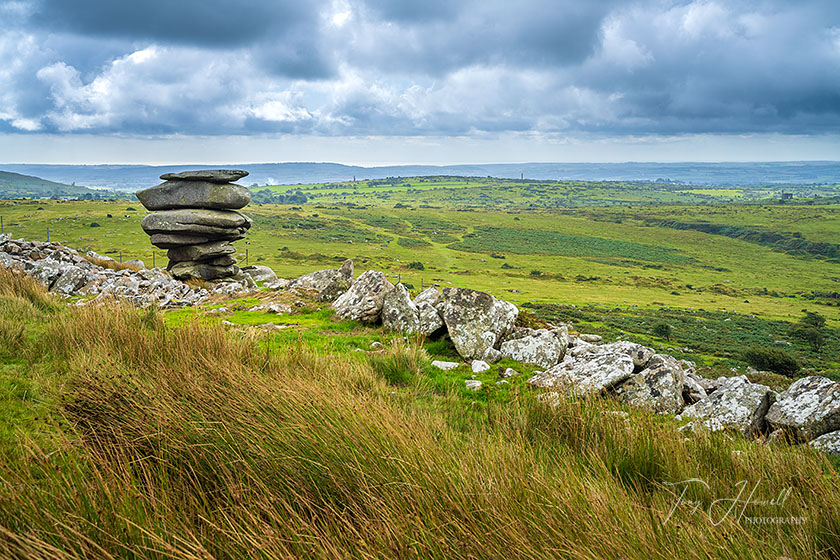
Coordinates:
259 273
693 390
201 252
476 321
598 373
429 305
809 408
739 405
188 270
196 221
174 240
658 387
71 280
194 194
364 300
327 284
827 443
640 354
211 175
542 347
399 314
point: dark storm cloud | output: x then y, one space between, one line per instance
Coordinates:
379 67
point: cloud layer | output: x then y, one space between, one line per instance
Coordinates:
420 67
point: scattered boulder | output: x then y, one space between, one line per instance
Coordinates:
591 338
473 384
429 306
479 366
446 366
542 347
809 408
737 404
658 387
827 443
399 314
641 354
364 300
476 321
599 373
259 273
327 284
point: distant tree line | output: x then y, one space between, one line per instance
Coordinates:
266 196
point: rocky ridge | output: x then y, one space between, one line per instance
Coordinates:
483 330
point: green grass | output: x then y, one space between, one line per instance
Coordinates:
155 436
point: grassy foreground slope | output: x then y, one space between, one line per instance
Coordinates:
126 435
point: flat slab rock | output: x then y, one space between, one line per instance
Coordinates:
195 221
211 175
176 240
194 194
809 408
737 404
596 374
203 251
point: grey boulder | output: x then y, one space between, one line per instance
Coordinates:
196 221
827 443
657 388
542 347
809 408
429 305
194 194
259 273
175 240
399 314
640 354
598 373
201 252
476 321
203 271
737 404
327 285
364 300
211 175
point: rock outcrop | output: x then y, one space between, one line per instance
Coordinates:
809 408
399 313
542 347
429 304
476 321
658 387
326 285
195 217
737 404
365 298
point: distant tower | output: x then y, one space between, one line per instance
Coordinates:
522 176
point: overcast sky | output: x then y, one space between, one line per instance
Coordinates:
418 81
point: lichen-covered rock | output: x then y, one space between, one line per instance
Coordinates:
599 372
693 390
476 321
364 300
446 366
328 284
591 338
543 348
399 314
658 387
259 273
827 443
188 270
194 194
479 366
739 405
201 252
429 305
809 408
640 354
70 280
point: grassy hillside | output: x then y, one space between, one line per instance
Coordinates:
15 185
138 434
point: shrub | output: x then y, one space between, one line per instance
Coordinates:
536 273
416 265
771 359
94 224
662 330
811 335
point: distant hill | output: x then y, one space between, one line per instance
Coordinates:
15 185
133 177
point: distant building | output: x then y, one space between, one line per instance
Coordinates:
787 196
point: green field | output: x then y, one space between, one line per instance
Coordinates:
762 259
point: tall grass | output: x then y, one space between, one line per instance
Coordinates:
190 442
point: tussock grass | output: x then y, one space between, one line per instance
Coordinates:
192 442
111 263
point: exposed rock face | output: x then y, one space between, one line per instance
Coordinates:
640 354
326 284
399 313
737 404
596 374
541 347
364 300
476 321
259 273
828 443
195 218
808 409
194 194
429 305
66 272
658 387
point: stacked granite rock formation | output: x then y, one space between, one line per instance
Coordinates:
195 217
